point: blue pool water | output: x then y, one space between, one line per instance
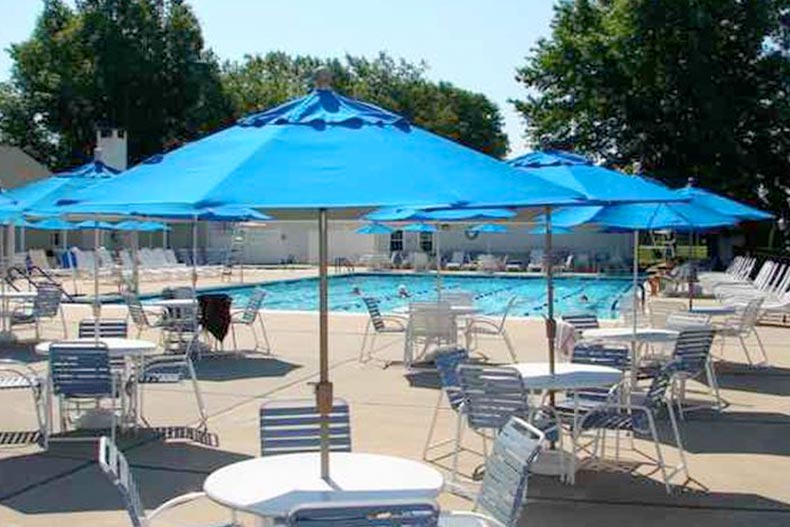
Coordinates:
573 294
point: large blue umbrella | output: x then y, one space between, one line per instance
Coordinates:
54 224
141 226
406 214
643 216
375 228
322 151
595 182
723 205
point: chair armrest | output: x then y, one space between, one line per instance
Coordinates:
401 322
175 502
483 321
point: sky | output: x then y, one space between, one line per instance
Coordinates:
474 44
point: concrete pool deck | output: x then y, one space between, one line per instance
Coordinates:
739 460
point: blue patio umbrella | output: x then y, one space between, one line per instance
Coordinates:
322 151
419 227
89 225
141 226
54 224
723 205
407 214
595 182
488 227
375 228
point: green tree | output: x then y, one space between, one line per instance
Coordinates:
687 88
261 81
136 64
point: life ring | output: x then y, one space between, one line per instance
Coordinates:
471 235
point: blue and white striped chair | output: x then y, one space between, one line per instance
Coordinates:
379 324
107 328
114 465
637 413
80 372
46 305
492 395
16 375
290 426
500 502
383 513
582 321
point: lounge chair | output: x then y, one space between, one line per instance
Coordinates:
536 260
456 261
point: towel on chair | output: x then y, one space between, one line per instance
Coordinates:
565 338
215 314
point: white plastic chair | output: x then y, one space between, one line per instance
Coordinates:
489 326
379 324
741 325
429 324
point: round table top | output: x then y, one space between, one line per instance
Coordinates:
567 375
624 334
175 302
272 486
116 346
18 294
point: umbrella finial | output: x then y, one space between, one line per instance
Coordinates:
322 78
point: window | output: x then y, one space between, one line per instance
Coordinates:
426 242
396 241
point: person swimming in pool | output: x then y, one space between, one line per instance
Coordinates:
584 298
403 292
356 291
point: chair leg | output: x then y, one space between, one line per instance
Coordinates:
198 395
678 440
745 350
459 435
659 455
713 383
509 345
432 427
263 332
233 334
63 321
760 345
362 357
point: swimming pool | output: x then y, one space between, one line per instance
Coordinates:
572 294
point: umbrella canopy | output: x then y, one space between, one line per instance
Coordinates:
41 195
596 183
709 200
321 151
374 228
403 214
419 227
488 227
89 225
141 226
643 216
54 224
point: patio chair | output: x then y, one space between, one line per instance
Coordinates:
536 260
291 426
80 372
142 317
456 262
430 323
248 316
379 324
659 311
16 375
501 499
171 369
115 466
492 395
489 326
378 513
45 306
681 320
582 321
447 361
741 325
636 413
107 328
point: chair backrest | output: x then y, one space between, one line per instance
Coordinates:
681 320
108 327
582 321
447 361
747 316
656 393
458 298
136 310
47 301
39 258
114 465
492 395
692 348
79 369
293 426
372 304
432 320
507 470
254 304
388 513
602 354
661 309
508 308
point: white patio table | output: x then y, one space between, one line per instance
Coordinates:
642 335
270 487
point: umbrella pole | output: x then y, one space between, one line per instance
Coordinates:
438 261
194 254
691 270
551 325
96 303
323 389
634 285
135 264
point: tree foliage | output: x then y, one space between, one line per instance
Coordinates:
136 64
687 88
260 81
